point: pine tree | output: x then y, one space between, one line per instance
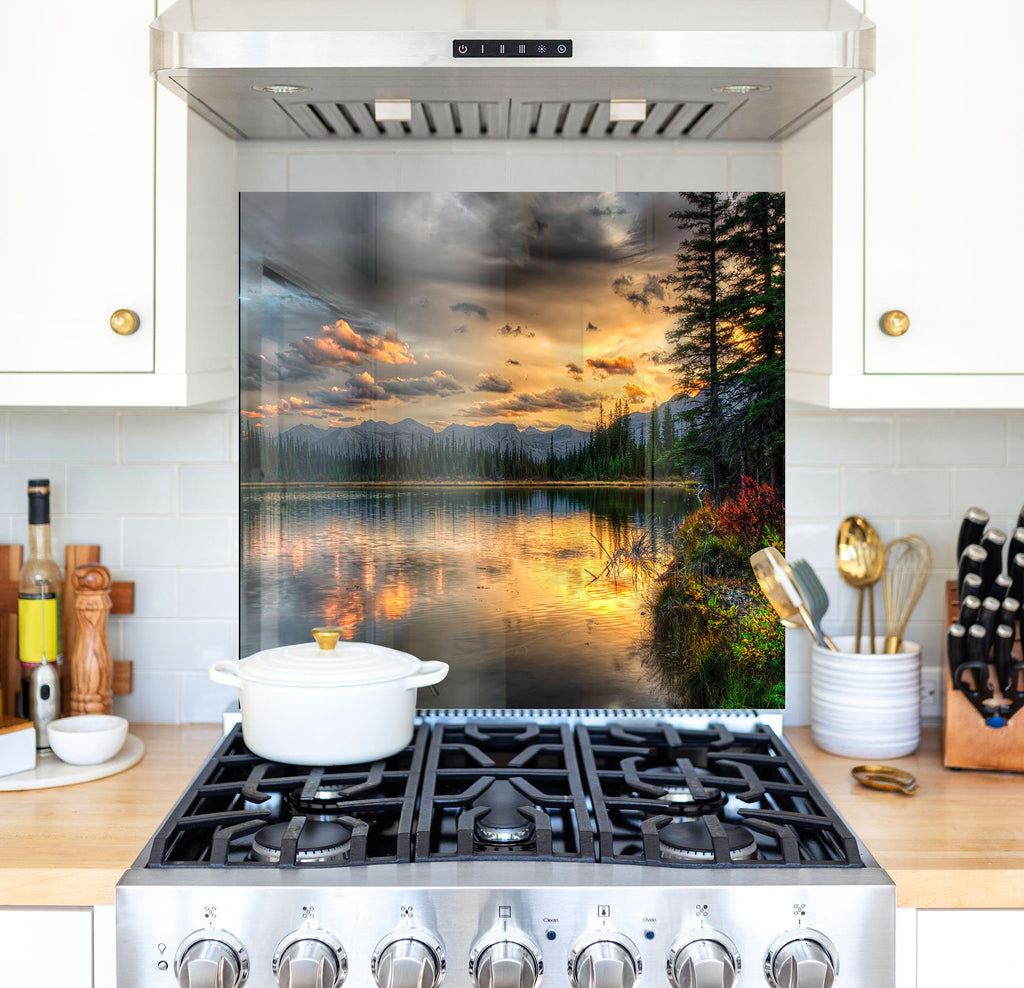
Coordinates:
702 338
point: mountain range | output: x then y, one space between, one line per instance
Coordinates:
538 443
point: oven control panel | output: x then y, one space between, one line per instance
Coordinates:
712 936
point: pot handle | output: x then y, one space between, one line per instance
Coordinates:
224 673
430 673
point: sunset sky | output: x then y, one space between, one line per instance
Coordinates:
453 307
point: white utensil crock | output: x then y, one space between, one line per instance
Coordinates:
866 706
307 705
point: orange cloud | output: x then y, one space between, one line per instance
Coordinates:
616 365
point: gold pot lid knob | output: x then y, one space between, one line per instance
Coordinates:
124 322
895 323
327 638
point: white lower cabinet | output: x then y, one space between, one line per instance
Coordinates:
969 947
44 947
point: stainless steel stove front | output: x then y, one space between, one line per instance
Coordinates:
485 924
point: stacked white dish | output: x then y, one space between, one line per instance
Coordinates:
863 705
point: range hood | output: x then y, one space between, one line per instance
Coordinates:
498 69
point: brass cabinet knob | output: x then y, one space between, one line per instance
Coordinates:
895 323
327 638
124 322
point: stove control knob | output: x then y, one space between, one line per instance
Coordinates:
211 959
505 961
705 960
608 960
310 959
801 959
409 959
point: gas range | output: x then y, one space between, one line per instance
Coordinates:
590 850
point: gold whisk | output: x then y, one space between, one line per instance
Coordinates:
908 564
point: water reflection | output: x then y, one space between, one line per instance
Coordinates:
497 581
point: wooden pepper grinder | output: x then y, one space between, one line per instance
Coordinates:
92 670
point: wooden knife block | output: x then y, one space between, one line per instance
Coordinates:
122 596
967 741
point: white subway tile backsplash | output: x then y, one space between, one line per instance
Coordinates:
647 172
85 437
855 439
210 593
156 592
343 172
203 701
101 530
178 542
999 490
155 698
1015 439
179 645
14 478
175 437
209 490
812 493
122 490
896 493
926 440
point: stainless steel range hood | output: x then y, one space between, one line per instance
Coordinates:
496 69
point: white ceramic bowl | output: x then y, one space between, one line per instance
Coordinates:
88 739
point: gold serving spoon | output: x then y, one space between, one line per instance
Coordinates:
860 559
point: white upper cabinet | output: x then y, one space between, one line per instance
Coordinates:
904 199
98 216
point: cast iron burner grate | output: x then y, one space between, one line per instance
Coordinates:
627 791
237 794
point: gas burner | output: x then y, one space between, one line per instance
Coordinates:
327 803
691 841
502 824
319 843
682 801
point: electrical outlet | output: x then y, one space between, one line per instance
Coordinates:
931 694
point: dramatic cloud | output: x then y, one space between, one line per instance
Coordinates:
284 407
470 309
527 403
591 328
616 365
438 383
360 389
574 371
507 330
312 357
657 356
498 385
637 294
636 394
460 329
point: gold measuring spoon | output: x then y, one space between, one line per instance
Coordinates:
885 777
860 559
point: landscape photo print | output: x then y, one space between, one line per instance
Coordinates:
536 436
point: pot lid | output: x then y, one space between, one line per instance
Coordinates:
331 663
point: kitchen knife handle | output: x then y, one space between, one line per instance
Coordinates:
993 542
1016 570
1004 644
972 560
1009 612
988 618
975 520
955 649
977 663
970 606
1001 586
1016 546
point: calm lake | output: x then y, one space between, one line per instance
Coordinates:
497 581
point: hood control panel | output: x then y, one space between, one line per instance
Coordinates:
514 48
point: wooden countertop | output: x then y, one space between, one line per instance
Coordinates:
958 843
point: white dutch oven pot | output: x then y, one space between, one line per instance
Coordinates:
325 702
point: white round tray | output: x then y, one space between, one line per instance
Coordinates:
50 771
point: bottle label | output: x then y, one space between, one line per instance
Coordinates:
39 629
